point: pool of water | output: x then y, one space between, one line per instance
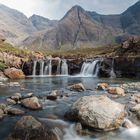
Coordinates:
42 86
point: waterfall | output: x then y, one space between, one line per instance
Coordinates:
112 73
46 70
59 67
41 67
34 68
64 68
50 67
90 68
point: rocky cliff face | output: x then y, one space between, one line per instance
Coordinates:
42 23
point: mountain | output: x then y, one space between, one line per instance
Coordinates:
128 23
78 28
130 19
42 23
14 25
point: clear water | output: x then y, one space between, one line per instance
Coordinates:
42 86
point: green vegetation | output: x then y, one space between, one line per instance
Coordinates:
8 48
2 66
83 52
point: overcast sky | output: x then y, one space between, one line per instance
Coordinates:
55 9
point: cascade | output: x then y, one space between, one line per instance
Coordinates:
50 67
90 68
34 68
59 67
112 73
64 67
41 67
46 70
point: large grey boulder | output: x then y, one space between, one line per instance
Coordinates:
98 112
28 128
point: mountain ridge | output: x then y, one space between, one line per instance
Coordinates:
78 28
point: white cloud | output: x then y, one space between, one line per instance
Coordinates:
55 9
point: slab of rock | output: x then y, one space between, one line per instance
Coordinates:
14 73
116 91
77 87
102 86
14 111
98 112
31 103
31 129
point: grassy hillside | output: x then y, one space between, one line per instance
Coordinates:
83 52
8 48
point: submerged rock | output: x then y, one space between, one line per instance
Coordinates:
31 103
77 87
30 129
14 73
97 112
116 91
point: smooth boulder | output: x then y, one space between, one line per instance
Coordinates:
14 73
31 129
116 91
102 86
97 112
31 103
77 87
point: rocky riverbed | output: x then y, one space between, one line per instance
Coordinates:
65 108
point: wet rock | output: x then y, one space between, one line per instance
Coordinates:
138 114
97 112
14 73
14 111
3 106
52 97
15 98
136 98
31 103
28 95
77 87
116 91
127 124
10 101
135 108
30 129
78 128
2 76
18 94
131 86
102 86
